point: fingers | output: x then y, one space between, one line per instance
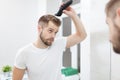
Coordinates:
66 12
69 11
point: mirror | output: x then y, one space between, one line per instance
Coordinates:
18 20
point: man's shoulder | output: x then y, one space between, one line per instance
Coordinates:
25 48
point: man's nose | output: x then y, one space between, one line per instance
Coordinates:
53 35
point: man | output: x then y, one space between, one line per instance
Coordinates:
42 59
113 20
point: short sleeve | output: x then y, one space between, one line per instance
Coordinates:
20 60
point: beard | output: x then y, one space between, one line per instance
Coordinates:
116 45
47 42
116 48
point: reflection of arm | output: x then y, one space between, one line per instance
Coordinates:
80 33
18 74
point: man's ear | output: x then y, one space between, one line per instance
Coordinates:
118 12
39 28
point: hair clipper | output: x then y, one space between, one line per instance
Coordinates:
64 6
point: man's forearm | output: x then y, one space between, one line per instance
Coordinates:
80 30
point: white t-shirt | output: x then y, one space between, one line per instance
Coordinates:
42 64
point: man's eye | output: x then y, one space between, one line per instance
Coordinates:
50 31
55 32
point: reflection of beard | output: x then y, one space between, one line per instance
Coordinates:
116 48
45 41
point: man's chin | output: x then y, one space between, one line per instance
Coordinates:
48 44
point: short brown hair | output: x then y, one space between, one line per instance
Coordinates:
111 7
46 18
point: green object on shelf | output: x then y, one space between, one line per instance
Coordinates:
69 71
6 68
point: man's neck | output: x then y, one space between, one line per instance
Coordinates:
39 44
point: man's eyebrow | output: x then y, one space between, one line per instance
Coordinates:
51 28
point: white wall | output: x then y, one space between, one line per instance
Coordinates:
85 45
52 6
99 42
115 65
18 24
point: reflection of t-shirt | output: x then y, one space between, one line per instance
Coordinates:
42 64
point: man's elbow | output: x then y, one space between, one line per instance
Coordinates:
82 37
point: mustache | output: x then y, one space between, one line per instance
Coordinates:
51 39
